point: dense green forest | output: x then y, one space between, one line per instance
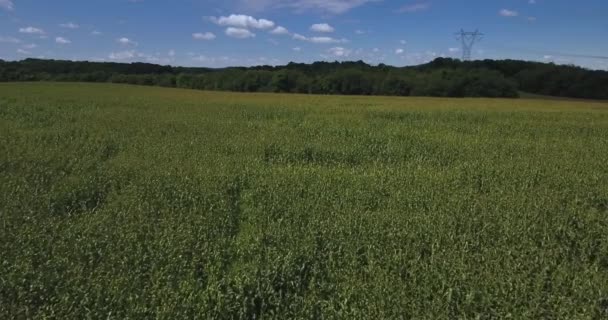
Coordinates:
442 77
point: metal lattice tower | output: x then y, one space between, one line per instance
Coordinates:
468 39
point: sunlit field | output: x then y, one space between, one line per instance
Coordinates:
134 202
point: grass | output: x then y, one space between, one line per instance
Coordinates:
136 202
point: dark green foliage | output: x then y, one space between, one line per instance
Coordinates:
441 77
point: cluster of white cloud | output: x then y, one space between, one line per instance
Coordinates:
322 27
238 25
243 21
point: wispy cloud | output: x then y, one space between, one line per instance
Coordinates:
328 6
7 5
122 55
31 30
508 13
62 40
414 7
203 36
69 25
9 40
321 40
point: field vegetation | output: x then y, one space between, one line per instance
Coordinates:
128 202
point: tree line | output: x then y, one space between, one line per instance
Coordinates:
442 77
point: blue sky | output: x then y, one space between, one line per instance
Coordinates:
217 33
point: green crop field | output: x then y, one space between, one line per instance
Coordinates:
126 202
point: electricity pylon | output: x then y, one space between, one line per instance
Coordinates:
468 39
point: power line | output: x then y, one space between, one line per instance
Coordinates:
468 39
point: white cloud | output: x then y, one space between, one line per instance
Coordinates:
415 7
339 52
243 22
399 51
508 13
532 1
7 5
297 49
21 51
376 50
403 42
62 40
203 36
171 53
30 46
9 40
279 30
239 33
122 55
96 33
326 40
322 27
298 36
126 42
321 40
69 25
330 6
359 31
31 30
